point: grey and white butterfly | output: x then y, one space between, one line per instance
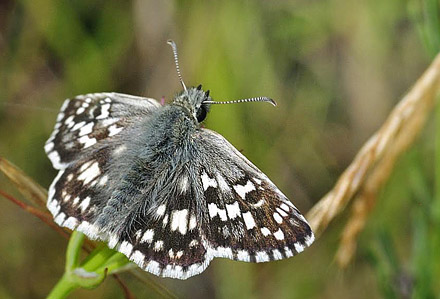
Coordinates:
169 194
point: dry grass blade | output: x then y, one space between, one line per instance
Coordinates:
43 216
27 187
366 200
401 119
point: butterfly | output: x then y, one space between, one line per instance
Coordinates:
155 185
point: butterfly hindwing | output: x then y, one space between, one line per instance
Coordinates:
79 192
166 238
87 119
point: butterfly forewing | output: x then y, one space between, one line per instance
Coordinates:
87 119
249 218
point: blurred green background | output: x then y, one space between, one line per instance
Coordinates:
336 69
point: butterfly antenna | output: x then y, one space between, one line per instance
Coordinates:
176 61
257 99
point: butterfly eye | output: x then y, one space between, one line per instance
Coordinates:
201 113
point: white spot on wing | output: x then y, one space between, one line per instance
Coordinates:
69 121
104 111
109 121
48 147
277 254
285 207
208 182
243 190
78 126
277 217
153 267
87 129
148 236
281 212
114 129
85 166
113 241
193 243
71 223
259 203
222 184
165 220
161 210
212 207
80 110
90 173
89 230
87 141
243 255
158 245
222 214
103 180
60 116
192 222
65 104
288 252
225 252
309 239
138 258
138 234
299 247
249 220
233 210
261 256
59 219
54 157
279 235
265 231
126 248
84 204
179 220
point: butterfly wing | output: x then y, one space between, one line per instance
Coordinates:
87 119
84 145
249 218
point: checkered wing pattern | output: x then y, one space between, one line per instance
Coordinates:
230 210
249 218
86 120
84 145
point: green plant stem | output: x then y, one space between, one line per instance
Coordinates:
63 288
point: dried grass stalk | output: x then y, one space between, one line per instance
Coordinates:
32 191
366 200
396 134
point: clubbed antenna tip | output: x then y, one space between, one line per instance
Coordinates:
176 61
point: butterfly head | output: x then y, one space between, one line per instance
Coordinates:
196 101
